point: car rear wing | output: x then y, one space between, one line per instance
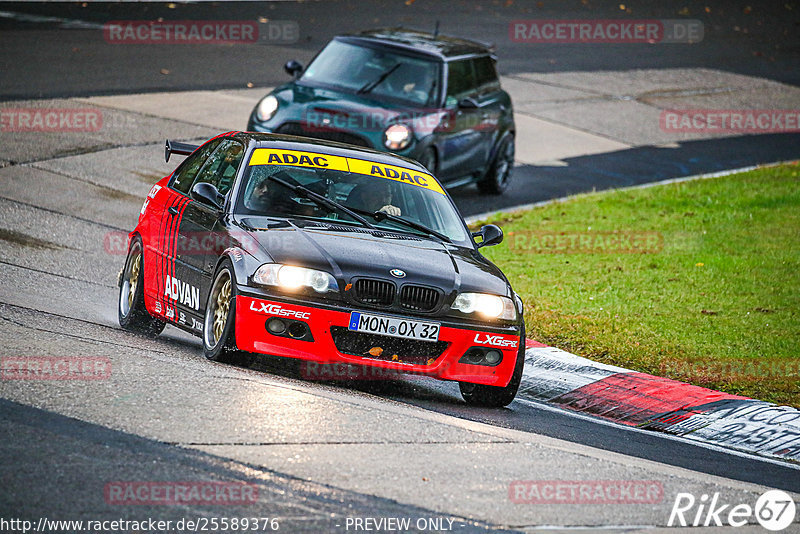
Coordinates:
176 147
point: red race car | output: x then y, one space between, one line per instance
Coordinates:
324 252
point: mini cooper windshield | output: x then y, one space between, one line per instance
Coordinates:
305 185
375 71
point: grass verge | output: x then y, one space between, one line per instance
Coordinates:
697 281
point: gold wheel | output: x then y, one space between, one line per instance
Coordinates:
221 311
133 278
131 312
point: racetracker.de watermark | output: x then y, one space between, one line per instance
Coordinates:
50 120
346 372
646 31
115 243
741 369
421 120
589 242
177 32
586 492
168 493
730 120
55 368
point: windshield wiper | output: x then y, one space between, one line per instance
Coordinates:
369 86
321 199
380 216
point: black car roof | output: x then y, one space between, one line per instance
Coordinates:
441 46
291 142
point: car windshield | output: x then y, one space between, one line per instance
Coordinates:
378 72
307 185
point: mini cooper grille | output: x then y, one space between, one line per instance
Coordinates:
392 348
296 128
418 298
374 292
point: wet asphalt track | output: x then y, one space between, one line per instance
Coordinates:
93 453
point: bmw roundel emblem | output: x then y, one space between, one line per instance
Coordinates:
397 273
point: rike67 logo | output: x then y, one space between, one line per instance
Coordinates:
774 510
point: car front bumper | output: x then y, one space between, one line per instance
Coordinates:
333 343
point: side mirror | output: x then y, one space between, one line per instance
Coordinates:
207 194
490 235
293 68
468 103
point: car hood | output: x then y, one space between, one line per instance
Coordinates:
350 252
349 111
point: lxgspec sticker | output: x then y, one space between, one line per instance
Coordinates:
277 309
495 341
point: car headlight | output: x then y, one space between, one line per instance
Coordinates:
489 306
267 108
292 278
397 136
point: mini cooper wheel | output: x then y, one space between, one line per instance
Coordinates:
219 343
494 396
131 311
428 160
498 176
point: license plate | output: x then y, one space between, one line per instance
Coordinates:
393 326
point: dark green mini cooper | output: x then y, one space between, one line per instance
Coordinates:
434 99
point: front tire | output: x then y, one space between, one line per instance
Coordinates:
131 310
494 396
498 177
219 328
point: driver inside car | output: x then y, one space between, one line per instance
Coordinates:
271 197
373 196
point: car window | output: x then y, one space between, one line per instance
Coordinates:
378 72
220 168
485 74
356 184
186 173
460 80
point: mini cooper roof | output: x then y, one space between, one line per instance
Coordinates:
442 47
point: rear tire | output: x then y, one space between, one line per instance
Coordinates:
131 310
494 396
219 328
498 177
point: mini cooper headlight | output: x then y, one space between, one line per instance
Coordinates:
291 278
488 306
397 136
267 108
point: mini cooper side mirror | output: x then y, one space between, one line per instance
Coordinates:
293 68
468 103
490 235
207 194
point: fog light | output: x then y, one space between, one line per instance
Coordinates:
276 326
297 329
492 357
474 356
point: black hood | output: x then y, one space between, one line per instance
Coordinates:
348 252
357 113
